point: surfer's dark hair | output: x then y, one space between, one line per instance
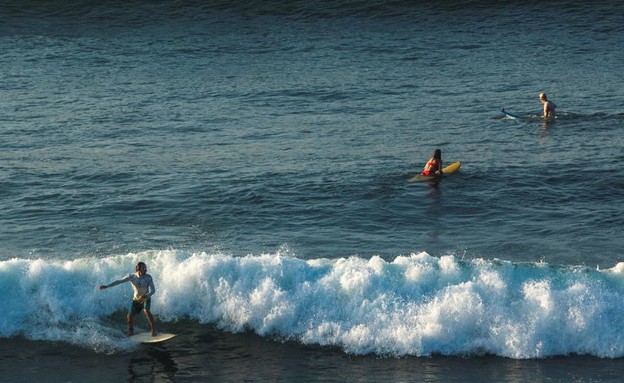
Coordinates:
139 266
437 154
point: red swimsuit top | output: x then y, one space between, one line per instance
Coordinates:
432 166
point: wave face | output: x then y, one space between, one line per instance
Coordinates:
415 305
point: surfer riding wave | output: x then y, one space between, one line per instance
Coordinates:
143 287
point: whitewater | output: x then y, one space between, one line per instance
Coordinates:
415 305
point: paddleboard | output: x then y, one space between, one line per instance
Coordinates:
146 337
452 168
508 114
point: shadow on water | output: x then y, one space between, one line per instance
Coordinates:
156 365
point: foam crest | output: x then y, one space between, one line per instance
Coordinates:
413 305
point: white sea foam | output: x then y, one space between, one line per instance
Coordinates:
413 305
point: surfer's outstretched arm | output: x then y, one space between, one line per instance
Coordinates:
115 283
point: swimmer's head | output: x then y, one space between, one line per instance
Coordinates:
543 97
437 154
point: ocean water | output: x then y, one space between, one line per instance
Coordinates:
257 156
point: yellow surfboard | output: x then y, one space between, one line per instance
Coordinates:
452 168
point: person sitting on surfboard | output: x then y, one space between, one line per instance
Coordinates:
434 165
143 286
549 106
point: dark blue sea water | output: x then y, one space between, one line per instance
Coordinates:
257 156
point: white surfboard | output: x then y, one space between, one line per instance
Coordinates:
146 337
508 114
